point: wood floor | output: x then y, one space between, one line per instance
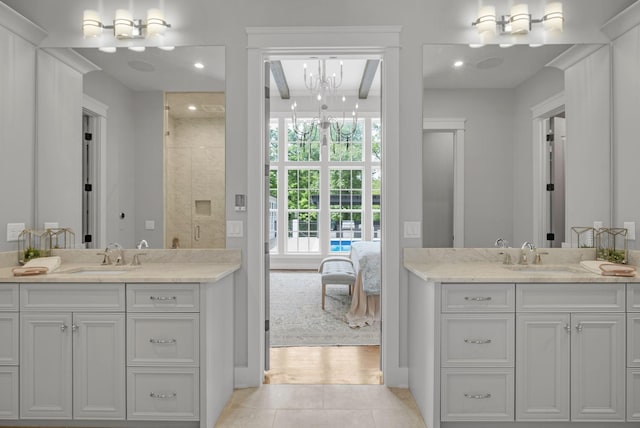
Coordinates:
346 365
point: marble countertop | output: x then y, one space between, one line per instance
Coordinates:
158 266
483 272
485 265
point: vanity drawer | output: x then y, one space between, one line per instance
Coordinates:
477 340
163 297
163 394
561 297
9 392
9 297
9 339
633 297
472 297
69 297
168 339
477 394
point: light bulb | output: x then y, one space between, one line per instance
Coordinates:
553 17
123 24
91 24
520 19
486 22
155 23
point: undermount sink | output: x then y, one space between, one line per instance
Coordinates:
544 269
99 270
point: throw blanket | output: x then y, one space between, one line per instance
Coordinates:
366 261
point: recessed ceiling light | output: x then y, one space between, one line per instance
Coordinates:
505 45
535 45
476 45
166 48
458 63
137 48
198 65
192 108
107 49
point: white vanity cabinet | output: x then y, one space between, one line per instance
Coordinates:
72 355
570 342
633 352
163 351
477 352
9 355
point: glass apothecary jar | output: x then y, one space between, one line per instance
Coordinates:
33 244
611 245
62 237
583 237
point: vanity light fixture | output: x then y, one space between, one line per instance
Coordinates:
199 65
124 26
518 21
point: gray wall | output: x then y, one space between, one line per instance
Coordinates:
488 158
121 150
543 85
626 96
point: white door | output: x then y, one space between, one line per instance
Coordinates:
598 367
45 366
542 367
99 366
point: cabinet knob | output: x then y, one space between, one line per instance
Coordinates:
579 327
567 328
64 327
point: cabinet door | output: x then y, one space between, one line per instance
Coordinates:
45 366
9 338
633 340
542 367
99 366
598 367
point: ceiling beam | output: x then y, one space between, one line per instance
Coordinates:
281 80
367 78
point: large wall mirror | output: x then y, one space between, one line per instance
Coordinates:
162 161
484 174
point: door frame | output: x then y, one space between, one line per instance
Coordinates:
98 110
457 127
263 43
544 110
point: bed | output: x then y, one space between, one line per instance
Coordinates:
365 302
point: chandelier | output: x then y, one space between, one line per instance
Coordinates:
325 124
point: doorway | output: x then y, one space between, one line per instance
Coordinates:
262 43
555 127
323 195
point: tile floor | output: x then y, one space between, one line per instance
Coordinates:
321 406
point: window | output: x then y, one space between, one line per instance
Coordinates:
325 195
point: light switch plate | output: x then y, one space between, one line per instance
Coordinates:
149 225
412 229
234 229
631 230
13 231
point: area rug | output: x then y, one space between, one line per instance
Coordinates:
297 318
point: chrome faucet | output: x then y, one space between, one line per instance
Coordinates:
503 243
107 254
136 257
524 259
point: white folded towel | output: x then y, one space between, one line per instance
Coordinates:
38 266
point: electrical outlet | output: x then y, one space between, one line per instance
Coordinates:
14 230
631 230
597 225
51 225
149 224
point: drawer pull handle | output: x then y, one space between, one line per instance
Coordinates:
477 341
579 328
163 396
163 341
477 299
63 328
163 298
478 396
